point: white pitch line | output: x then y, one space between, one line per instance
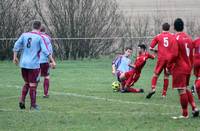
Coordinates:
87 112
108 99
101 98
9 97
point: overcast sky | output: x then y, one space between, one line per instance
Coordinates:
186 7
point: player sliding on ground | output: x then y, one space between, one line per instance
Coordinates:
30 44
166 46
182 70
128 77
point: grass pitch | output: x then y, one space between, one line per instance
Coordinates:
81 99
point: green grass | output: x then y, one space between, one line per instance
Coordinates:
81 99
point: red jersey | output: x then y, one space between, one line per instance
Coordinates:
166 45
184 61
141 61
196 45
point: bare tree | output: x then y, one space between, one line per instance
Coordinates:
193 26
81 19
15 18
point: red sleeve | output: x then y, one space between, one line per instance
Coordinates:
151 56
154 42
139 62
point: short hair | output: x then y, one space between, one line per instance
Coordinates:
142 46
166 26
43 28
178 24
36 25
128 48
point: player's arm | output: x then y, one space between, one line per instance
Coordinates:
154 42
45 49
192 53
138 63
115 62
17 47
113 69
52 61
151 56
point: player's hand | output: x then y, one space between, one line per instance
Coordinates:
113 72
15 61
53 65
168 71
132 66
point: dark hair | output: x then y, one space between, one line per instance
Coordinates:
178 24
36 25
142 46
42 29
128 48
166 26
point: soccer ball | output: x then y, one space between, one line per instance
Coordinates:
115 86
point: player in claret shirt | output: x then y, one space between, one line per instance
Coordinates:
45 63
129 78
182 70
196 64
166 43
30 44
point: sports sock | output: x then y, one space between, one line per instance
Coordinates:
197 85
191 100
165 87
184 104
46 86
33 95
133 90
154 82
24 92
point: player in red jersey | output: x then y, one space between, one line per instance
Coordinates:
182 70
166 43
196 64
132 76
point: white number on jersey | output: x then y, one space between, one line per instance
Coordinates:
187 49
166 42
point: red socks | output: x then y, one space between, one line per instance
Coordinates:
197 85
133 90
33 95
46 86
154 82
184 104
165 87
24 92
191 99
